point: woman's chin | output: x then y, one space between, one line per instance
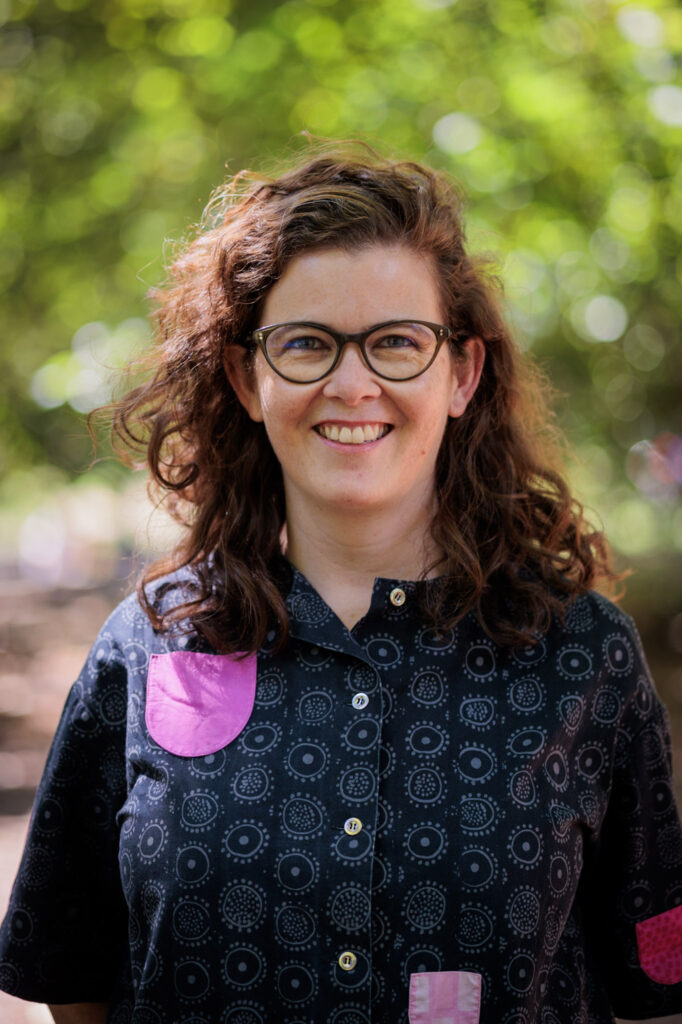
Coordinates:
350 501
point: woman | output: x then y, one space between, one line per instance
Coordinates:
387 757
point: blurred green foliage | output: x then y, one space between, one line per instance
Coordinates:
561 118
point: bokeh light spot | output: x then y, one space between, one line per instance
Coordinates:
319 38
640 26
609 251
157 89
644 347
605 318
457 133
632 526
257 50
665 103
435 5
197 37
630 209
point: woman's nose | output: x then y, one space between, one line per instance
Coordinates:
352 379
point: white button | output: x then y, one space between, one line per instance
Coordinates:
360 701
397 597
347 961
352 826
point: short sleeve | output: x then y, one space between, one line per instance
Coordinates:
65 933
633 871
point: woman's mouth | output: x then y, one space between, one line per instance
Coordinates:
360 434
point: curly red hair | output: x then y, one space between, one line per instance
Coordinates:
517 544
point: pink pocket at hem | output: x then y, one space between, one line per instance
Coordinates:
659 944
198 703
445 997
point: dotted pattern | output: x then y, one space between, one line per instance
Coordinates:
518 822
659 940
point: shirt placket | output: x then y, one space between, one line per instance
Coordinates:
352 848
358 732
353 820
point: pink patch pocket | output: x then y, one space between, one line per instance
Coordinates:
445 997
659 943
198 703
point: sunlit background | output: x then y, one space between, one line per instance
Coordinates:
119 117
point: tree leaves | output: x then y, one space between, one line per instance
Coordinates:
561 119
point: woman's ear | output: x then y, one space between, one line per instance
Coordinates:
468 368
243 380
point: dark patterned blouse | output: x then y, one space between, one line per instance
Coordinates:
377 825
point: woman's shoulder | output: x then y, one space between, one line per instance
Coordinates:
596 630
595 613
597 651
116 666
129 635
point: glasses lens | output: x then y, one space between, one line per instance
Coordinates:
401 350
299 352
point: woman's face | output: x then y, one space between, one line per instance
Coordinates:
350 292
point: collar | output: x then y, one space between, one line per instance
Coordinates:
312 620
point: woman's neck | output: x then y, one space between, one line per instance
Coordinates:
341 552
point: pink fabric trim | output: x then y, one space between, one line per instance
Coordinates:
445 997
198 703
659 942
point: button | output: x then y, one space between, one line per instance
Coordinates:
397 597
352 826
360 701
347 961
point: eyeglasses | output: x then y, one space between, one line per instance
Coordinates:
396 350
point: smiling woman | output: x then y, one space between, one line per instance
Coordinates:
513 542
357 440
367 747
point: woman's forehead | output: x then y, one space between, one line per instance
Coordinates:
355 288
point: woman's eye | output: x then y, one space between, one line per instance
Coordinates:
397 341
307 342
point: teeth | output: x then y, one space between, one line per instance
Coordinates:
358 435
